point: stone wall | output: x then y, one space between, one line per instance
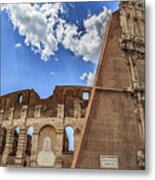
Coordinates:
108 131
113 133
48 119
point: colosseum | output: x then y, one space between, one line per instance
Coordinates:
48 118
107 120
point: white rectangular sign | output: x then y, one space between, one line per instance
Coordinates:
109 162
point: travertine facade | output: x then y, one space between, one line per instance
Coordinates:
48 118
109 132
113 132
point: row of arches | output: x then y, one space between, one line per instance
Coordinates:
15 139
68 140
68 137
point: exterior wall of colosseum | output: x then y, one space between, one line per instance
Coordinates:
116 107
48 118
109 131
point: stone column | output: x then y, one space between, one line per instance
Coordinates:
77 111
123 21
142 117
22 140
60 113
1 115
134 80
8 145
59 148
34 151
1 129
2 134
11 111
24 112
37 112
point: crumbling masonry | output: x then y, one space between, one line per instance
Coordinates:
108 127
48 117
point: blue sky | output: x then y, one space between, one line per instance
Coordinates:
41 65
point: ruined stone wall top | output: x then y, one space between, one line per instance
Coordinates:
19 98
68 96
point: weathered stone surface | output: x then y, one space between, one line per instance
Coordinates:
114 122
109 162
47 117
46 157
109 125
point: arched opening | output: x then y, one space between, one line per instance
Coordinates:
68 139
3 133
50 131
47 146
29 141
15 142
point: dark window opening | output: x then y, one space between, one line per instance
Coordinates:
25 163
20 99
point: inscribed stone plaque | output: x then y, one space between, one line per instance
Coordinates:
109 162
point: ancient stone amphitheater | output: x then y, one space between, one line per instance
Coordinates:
107 119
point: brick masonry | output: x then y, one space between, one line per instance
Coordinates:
48 117
110 125
114 123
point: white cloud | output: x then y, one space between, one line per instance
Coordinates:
89 44
2 7
43 30
83 76
52 73
36 24
88 77
56 59
18 45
